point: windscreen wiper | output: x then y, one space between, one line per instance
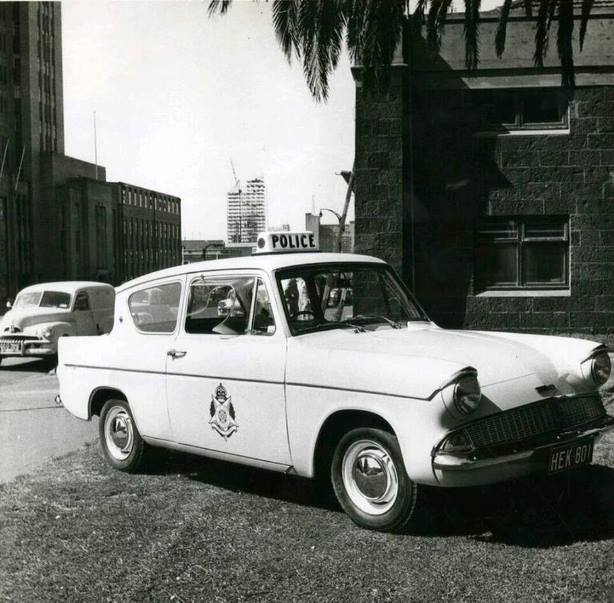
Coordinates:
392 323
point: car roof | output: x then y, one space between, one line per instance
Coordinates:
65 286
265 261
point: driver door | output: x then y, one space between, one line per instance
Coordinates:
225 371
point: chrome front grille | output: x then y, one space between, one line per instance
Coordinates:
17 338
555 414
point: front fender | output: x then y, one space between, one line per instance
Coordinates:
60 329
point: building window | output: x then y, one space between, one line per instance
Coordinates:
530 252
523 109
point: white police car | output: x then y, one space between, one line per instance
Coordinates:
325 365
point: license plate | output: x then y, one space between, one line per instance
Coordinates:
10 347
572 455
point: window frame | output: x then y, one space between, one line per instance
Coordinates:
218 275
521 241
520 124
154 285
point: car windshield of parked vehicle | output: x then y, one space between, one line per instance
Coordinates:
28 299
55 299
364 296
43 299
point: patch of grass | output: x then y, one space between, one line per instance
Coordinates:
196 529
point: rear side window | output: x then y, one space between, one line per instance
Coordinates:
155 309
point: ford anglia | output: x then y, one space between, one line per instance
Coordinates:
324 365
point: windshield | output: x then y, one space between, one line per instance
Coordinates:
27 300
364 296
44 299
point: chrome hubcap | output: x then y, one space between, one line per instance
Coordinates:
119 433
370 477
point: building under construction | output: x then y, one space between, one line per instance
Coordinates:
246 215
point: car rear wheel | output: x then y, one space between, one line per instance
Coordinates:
122 444
370 481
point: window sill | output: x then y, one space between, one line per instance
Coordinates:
526 293
546 132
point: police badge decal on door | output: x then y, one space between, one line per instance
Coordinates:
222 413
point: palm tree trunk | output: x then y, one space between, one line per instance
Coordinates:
346 205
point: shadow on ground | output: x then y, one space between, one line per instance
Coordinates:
38 365
539 512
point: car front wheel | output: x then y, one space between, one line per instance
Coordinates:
122 444
370 481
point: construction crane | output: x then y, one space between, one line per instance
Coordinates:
238 190
234 173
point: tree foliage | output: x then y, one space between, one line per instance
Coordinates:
315 31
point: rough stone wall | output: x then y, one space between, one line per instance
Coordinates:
460 178
381 126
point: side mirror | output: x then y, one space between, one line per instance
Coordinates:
9 305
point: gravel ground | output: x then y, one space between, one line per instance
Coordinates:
199 530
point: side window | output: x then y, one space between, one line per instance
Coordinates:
82 302
264 323
219 306
155 309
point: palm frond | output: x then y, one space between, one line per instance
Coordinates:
502 28
436 22
528 7
542 30
587 6
219 6
383 26
564 44
472 41
284 23
419 11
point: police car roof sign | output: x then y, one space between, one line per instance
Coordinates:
286 242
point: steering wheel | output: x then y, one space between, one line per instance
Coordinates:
302 313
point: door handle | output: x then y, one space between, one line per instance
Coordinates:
176 354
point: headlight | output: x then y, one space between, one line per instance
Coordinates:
601 367
47 333
467 394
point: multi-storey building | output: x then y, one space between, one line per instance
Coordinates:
40 204
114 231
246 214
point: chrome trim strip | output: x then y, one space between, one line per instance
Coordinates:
220 454
141 371
310 385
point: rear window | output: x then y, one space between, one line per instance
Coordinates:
155 309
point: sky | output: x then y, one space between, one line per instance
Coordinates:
177 95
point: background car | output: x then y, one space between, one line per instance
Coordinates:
41 314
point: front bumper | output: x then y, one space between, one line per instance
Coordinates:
20 346
502 463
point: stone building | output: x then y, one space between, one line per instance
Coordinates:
113 232
59 218
492 192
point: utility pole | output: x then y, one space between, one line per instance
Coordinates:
95 148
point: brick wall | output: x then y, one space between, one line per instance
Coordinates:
381 227
460 178
425 181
